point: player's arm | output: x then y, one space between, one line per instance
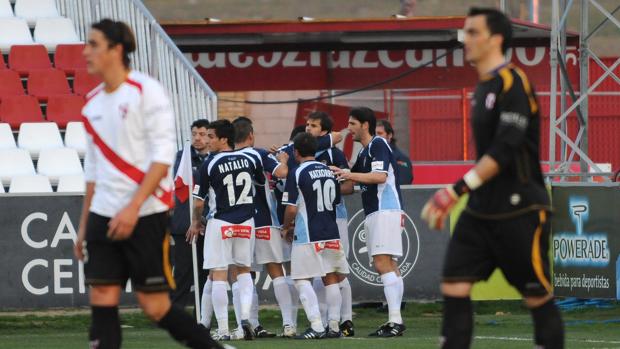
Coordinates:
515 107
161 141
200 193
281 170
328 140
289 200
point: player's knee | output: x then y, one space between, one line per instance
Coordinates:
535 302
154 307
383 264
107 295
456 289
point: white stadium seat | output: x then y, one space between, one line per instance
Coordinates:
2 191
5 9
54 31
15 162
30 184
14 32
7 141
75 137
35 136
31 10
54 163
71 184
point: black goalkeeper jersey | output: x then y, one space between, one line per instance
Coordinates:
506 127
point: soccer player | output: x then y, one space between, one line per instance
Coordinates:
505 223
181 251
376 171
311 195
226 179
270 246
319 124
123 227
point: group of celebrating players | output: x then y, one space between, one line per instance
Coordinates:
298 230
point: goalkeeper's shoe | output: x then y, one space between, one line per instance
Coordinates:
392 329
311 334
347 329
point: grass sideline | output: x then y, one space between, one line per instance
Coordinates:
500 324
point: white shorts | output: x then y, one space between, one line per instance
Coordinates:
383 233
228 244
334 258
343 230
269 246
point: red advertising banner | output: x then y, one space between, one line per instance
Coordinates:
316 70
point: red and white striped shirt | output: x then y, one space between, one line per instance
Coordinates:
127 131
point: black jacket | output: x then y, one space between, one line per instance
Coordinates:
180 217
405 171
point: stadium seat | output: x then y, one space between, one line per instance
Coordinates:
75 137
69 58
2 62
30 184
18 109
71 184
31 10
14 32
26 58
84 82
5 9
14 162
7 141
52 32
35 137
45 83
11 84
57 162
63 109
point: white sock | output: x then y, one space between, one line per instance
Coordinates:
236 302
283 297
219 295
346 311
206 304
254 310
401 287
319 290
294 300
246 289
334 304
311 305
391 289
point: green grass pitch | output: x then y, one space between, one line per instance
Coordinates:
498 325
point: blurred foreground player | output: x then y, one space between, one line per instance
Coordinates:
506 222
123 226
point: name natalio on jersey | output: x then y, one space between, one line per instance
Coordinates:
233 165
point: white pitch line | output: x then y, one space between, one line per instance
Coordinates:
522 339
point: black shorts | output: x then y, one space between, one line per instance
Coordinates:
517 246
143 257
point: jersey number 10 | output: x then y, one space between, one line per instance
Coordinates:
325 195
243 179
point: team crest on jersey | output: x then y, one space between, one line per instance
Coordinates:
123 109
490 101
360 263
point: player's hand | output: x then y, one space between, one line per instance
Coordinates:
274 149
336 137
438 207
194 230
122 225
282 157
289 234
78 250
341 173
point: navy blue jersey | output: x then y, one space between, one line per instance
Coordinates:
313 188
227 179
265 202
378 157
335 157
324 142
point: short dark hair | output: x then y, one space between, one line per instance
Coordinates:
497 22
387 127
326 121
118 33
297 130
305 144
365 114
223 129
243 129
200 123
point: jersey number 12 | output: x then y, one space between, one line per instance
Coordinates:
243 179
325 195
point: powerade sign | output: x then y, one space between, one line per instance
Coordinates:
579 248
585 245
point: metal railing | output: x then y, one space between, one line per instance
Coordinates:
156 54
